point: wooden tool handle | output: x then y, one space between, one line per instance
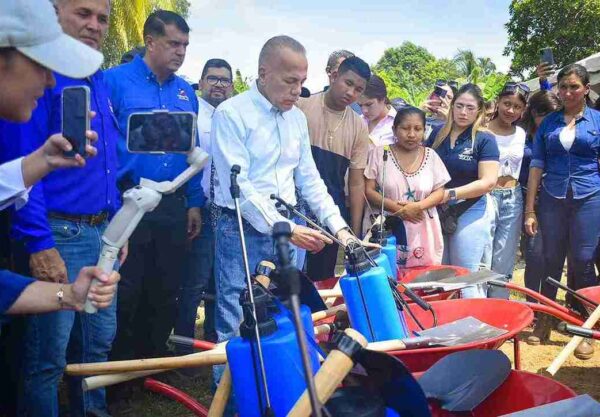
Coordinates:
219 402
188 361
101 381
387 345
329 377
320 315
572 345
333 293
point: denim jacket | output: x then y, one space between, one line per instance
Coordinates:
576 168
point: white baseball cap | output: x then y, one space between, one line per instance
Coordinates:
31 26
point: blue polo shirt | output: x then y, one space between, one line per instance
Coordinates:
134 88
577 168
76 191
462 161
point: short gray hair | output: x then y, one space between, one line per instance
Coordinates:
335 56
277 43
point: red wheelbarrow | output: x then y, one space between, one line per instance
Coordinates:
522 390
503 314
593 293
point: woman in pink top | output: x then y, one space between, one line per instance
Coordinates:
377 112
414 186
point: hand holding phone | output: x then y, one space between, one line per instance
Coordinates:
76 119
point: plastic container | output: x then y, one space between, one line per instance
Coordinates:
369 300
282 360
383 261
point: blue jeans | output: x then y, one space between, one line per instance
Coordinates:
467 245
52 340
198 274
573 226
506 232
230 276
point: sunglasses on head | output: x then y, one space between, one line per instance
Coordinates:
512 87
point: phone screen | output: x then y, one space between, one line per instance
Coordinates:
547 56
75 112
161 132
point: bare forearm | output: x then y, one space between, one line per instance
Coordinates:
34 167
41 297
356 207
474 189
374 199
535 178
434 199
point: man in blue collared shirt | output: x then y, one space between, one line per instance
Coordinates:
147 296
61 228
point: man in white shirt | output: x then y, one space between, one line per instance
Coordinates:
263 132
216 86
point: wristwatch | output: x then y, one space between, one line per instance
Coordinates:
60 295
452 194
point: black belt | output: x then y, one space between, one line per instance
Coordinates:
91 219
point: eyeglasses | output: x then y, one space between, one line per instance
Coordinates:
512 87
214 80
468 108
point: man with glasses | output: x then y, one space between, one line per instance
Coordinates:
147 300
215 86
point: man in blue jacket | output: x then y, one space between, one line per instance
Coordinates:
62 225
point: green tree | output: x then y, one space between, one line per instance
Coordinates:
410 72
127 19
240 83
571 28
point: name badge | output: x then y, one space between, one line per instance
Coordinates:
182 95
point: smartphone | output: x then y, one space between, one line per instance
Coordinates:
547 56
440 91
161 132
76 118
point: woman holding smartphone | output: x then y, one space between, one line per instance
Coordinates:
565 162
471 156
507 194
414 186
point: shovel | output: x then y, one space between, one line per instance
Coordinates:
580 406
459 332
456 283
463 380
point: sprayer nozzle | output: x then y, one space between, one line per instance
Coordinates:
235 169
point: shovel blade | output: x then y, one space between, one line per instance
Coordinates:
462 331
462 380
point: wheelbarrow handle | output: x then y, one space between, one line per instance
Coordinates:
575 294
579 331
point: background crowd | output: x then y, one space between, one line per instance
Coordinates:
475 183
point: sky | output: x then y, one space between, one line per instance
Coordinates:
235 30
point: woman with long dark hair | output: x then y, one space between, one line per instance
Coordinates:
507 193
377 113
565 162
471 156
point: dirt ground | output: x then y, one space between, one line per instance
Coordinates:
581 376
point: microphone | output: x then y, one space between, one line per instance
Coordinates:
305 93
234 188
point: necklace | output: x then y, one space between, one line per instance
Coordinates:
410 193
330 132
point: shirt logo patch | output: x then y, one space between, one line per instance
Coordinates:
466 155
182 95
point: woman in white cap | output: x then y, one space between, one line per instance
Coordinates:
32 44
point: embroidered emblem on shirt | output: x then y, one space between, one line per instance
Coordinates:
410 195
466 155
182 95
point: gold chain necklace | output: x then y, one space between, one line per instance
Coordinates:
411 168
330 132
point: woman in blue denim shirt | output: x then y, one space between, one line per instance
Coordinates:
471 157
565 152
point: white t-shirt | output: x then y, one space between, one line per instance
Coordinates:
567 137
511 153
